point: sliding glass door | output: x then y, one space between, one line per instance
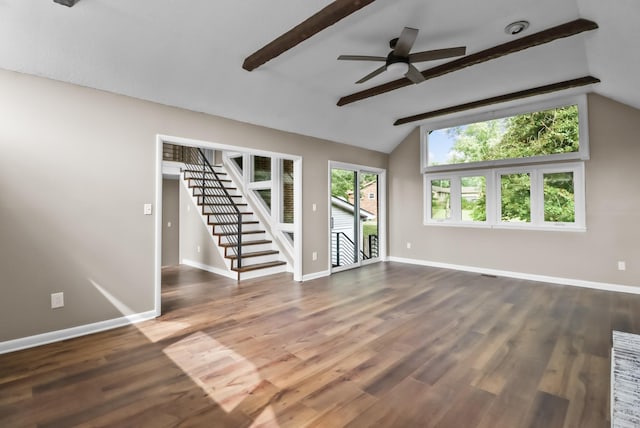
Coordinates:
355 215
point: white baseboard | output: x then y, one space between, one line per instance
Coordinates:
217 271
70 333
316 275
519 275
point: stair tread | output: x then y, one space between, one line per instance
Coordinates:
232 223
199 171
254 254
259 266
225 205
211 187
256 242
223 180
230 213
247 232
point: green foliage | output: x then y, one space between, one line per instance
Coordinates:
342 182
532 134
516 197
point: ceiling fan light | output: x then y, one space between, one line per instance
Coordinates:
398 68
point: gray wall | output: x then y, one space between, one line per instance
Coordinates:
170 215
195 235
612 213
76 167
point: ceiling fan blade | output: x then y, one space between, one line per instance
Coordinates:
414 75
373 74
438 54
405 41
361 58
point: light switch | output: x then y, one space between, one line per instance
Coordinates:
314 207
147 209
168 224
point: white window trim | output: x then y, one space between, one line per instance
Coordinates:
493 194
583 130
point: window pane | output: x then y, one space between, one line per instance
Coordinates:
515 198
440 199
265 195
238 161
547 132
287 191
559 198
473 194
261 168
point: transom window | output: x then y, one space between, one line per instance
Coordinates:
510 171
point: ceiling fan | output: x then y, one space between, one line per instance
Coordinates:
400 60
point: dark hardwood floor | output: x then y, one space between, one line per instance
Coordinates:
387 345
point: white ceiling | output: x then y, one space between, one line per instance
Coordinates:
189 54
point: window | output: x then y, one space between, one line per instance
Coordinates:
510 171
261 168
286 181
545 132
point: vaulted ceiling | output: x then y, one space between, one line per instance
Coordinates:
190 55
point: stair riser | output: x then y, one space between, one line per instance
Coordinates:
217 218
251 248
219 200
249 261
245 238
207 209
216 192
233 228
221 175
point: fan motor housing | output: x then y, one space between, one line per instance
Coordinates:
392 59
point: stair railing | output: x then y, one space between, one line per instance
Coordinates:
216 198
345 250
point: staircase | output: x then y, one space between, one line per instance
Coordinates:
242 240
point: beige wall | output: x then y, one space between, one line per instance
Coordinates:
195 235
612 213
76 167
170 214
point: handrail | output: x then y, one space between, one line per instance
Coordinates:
233 235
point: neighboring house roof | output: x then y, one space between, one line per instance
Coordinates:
341 203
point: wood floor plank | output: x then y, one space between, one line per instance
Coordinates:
388 344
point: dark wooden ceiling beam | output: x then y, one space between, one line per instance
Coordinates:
561 31
567 84
68 3
328 16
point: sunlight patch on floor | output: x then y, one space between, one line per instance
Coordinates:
227 377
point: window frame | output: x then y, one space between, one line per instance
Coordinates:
583 132
494 194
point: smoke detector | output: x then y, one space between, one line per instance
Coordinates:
516 27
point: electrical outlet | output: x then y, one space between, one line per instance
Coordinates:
622 265
314 207
57 300
147 209
409 245
198 248
314 256
168 224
